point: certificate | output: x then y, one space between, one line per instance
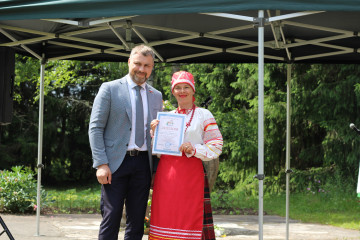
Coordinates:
169 134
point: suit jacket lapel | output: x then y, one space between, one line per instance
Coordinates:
124 89
149 94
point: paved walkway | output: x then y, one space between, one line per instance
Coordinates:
82 226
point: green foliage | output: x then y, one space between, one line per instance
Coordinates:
18 190
312 180
329 102
74 200
27 72
168 106
234 199
70 88
161 79
324 101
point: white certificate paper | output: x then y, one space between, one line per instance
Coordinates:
169 134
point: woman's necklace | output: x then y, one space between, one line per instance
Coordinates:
192 115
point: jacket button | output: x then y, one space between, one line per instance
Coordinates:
127 144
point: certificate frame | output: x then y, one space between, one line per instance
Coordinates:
169 134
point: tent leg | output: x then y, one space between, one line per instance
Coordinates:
288 137
6 230
40 144
260 175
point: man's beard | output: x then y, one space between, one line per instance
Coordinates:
137 79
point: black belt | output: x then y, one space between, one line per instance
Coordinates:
135 152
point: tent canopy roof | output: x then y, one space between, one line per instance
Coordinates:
184 31
25 9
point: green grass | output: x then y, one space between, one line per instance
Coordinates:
336 209
340 209
74 200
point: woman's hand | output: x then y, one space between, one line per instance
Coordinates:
153 124
186 148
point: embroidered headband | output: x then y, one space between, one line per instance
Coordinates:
182 77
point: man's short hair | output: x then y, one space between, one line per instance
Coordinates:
144 50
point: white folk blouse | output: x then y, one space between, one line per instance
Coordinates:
204 134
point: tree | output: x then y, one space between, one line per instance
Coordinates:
324 101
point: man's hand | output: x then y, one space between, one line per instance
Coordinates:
103 174
153 124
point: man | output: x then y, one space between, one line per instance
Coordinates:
119 133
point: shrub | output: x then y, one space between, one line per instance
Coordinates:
18 190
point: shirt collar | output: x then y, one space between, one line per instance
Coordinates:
132 84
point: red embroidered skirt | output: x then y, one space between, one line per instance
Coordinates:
177 208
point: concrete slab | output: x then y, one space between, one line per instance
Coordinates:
274 228
86 226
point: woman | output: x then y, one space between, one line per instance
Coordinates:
181 206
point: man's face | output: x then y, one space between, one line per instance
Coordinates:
140 67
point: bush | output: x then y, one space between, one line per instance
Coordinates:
18 190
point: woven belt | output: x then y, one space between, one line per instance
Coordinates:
135 152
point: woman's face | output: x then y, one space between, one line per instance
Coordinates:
183 93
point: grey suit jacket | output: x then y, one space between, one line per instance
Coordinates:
110 122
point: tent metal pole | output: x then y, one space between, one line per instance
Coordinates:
288 137
260 175
40 144
292 15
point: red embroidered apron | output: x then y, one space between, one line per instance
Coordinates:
178 199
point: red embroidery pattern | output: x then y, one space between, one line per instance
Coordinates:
212 135
185 111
